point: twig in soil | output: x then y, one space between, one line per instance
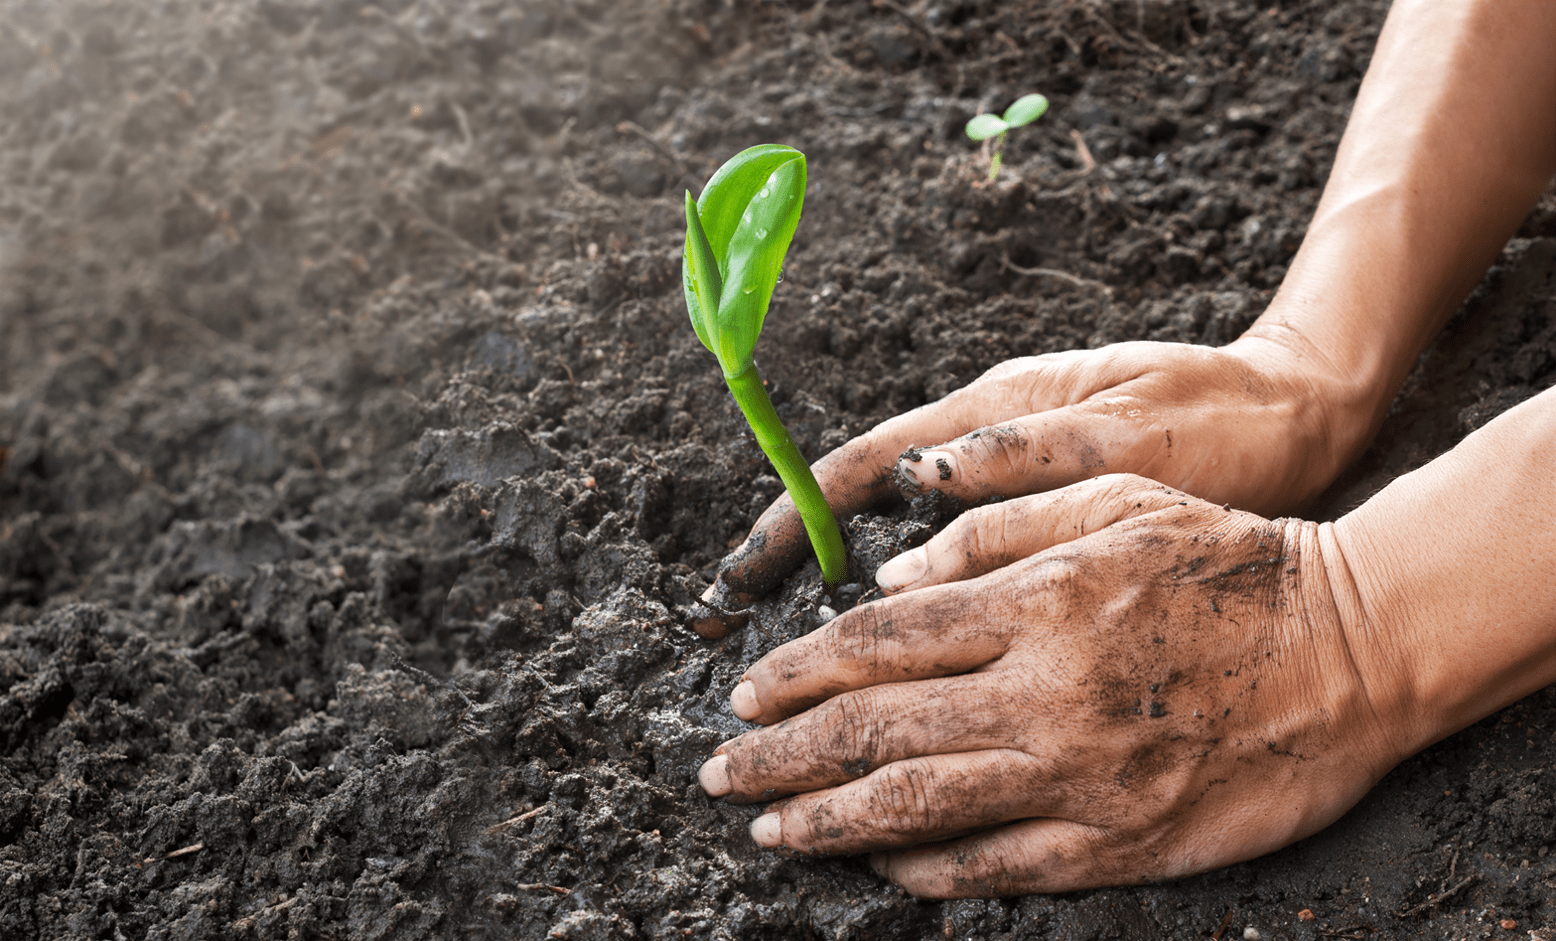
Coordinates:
914 22
1439 899
1133 45
1224 922
1056 273
541 885
420 218
1083 153
519 819
193 848
629 127
247 922
429 679
401 30
464 123
1354 932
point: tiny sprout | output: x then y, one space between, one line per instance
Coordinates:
1027 108
738 233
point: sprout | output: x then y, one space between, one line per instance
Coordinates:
1027 108
736 237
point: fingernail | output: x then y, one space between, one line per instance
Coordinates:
767 831
902 571
714 776
707 596
743 701
944 464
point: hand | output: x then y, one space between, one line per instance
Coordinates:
1262 424
1113 683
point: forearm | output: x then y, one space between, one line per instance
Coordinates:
1449 578
1451 141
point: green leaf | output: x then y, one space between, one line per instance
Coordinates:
732 188
700 276
737 234
1025 110
754 260
985 126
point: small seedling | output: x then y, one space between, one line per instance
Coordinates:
1027 108
737 234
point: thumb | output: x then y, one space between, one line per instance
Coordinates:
992 537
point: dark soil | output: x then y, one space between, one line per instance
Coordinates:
359 461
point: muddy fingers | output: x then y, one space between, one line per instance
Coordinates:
1043 855
857 732
1021 456
853 477
883 642
906 803
992 537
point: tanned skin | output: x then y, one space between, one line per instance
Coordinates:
1126 672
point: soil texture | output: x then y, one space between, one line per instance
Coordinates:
358 461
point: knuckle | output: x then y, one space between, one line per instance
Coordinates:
849 731
1116 488
981 533
904 799
1004 449
1009 370
864 641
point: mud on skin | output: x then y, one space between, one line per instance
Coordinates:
357 465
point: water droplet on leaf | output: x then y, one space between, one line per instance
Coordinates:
761 233
748 290
763 194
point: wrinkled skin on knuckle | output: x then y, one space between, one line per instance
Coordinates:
979 535
847 730
905 803
1121 488
865 644
1002 451
990 872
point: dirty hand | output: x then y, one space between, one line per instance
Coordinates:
1260 424
1116 682
1427 186
1144 685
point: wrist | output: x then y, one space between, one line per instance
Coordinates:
1334 410
1454 605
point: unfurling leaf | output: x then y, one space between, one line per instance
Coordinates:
746 218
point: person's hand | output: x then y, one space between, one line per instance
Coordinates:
1262 425
1144 685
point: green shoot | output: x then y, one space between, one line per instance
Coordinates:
1027 108
736 237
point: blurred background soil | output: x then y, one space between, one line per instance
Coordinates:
357 459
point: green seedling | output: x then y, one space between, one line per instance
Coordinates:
736 237
1027 108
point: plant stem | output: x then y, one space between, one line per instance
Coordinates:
780 448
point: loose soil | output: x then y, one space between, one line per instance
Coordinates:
359 461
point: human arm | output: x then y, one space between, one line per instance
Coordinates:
1119 683
1450 141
